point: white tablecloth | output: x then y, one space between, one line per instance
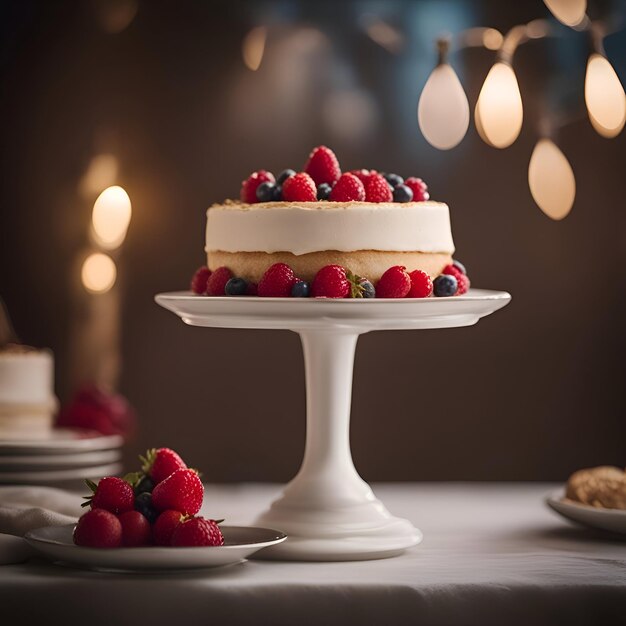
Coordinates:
492 554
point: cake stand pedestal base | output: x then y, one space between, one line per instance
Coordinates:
328 511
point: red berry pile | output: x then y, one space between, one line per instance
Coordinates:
155 506
322 179
335 281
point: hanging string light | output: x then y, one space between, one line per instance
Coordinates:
443 110
499 107
604 93
551 179
604 97
499 111
569 12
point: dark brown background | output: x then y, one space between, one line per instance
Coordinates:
532 393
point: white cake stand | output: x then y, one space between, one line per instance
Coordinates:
328 511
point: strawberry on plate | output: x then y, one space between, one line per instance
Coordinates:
181 491
111 494
164 527
136 529
198 531
98 528
159 463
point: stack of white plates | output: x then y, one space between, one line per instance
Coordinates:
62 455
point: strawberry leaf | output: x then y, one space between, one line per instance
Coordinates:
147 461
356 288
133 478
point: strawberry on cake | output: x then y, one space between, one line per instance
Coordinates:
372 234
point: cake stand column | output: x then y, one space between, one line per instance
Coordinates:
328 510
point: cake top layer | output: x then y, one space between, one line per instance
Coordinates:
322 208
304 227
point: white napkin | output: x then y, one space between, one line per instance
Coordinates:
25 508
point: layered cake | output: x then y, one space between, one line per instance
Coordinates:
27 401
380 229
366 237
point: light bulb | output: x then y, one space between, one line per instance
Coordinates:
98 273
569 12
604 96
253 47
111 217
443 111
499 106
551 180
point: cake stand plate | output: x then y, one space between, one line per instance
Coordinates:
328 511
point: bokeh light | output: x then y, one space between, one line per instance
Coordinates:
98 273
111 217
253 47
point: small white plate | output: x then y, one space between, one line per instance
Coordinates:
58 475
61 441
55 542
51 461
613 520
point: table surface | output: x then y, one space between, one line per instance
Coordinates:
492 554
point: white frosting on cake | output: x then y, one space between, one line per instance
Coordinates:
26 379
316 226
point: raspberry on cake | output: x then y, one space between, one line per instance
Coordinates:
349 188
361 220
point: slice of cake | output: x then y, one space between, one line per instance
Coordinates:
27 400
363 221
